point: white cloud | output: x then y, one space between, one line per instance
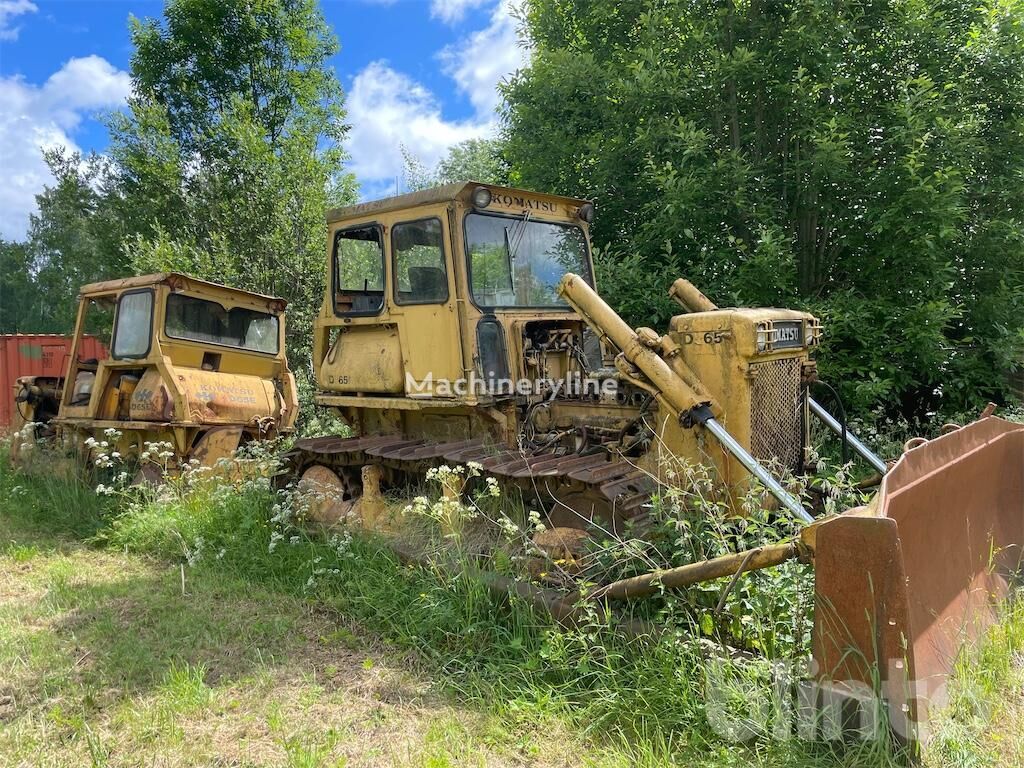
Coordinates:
35 118
9 9
485 58
388 110
451 11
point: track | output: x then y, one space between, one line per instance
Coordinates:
572 488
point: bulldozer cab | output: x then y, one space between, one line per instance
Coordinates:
433 293
194 363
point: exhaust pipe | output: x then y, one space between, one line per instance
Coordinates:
689 297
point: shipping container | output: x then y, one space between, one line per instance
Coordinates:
37 354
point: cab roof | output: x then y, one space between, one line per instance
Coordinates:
459 190
175 280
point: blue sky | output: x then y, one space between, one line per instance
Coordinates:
417 73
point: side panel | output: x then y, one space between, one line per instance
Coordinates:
363 358
213 398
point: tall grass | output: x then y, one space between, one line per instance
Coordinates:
645 696
50 497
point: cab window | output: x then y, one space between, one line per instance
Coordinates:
134 324
516 261
194 319
359 271
99 319
418 251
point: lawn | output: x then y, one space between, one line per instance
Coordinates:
110 658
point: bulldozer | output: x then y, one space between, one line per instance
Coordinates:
463 324
192 364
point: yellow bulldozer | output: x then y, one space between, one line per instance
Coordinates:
462 324
192 364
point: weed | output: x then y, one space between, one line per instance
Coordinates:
184 687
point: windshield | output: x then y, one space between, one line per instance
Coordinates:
199 320
518 262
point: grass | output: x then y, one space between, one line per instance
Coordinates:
105 661
173 633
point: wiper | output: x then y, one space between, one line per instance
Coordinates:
508 259
518 233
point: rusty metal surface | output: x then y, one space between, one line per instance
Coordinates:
212 397
177 280
614 489
218 443
329 500
37 354
911 581
735 563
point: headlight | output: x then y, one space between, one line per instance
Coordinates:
764 337
813 334
481 197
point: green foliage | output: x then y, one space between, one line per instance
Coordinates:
45 497
231 151
222 167
977 703
651 692
20 299
469 160
476 160
73 239
863 162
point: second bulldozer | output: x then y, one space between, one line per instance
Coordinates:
194 365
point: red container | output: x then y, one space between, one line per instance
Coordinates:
37 354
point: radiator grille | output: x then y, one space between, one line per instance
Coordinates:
775 420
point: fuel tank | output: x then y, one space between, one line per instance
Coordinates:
210 397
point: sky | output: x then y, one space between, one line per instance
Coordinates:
417 73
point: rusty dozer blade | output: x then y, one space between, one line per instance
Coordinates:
904 585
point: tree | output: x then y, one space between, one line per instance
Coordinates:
74 238
860 160
231 149
19 295
476 160
473 159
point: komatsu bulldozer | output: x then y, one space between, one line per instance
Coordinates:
462 324
194 364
